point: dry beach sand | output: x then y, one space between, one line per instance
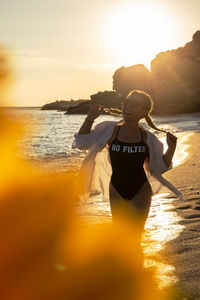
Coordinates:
183 252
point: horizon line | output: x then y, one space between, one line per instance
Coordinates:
21 106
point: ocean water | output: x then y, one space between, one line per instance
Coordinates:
49 134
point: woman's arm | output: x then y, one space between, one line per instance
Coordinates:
86 126
94 112
171 142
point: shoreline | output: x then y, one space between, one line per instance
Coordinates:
183 252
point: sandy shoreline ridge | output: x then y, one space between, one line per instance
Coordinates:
183 252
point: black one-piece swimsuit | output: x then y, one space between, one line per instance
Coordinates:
127 161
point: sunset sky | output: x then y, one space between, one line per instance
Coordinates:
70 49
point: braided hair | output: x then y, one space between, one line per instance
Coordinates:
148 102
151 124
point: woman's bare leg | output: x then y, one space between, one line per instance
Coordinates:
137 208
135 212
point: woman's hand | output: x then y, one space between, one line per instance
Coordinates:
95 111
171 140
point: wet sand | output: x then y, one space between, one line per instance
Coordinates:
183 252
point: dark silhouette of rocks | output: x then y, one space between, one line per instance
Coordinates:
81 108
173 83
137 76
174 80
62 105
108 99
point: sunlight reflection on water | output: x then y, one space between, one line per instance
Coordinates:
161 226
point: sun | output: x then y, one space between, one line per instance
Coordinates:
135 34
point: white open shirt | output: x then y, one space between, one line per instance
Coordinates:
97 167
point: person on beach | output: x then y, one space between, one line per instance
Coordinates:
129 148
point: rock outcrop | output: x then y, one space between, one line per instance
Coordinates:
173 83
62 104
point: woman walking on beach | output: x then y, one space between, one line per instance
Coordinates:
128 147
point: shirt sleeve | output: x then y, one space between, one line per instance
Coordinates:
87 141
83 141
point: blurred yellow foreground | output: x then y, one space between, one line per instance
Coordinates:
46 251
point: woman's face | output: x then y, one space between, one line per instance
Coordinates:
133 109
